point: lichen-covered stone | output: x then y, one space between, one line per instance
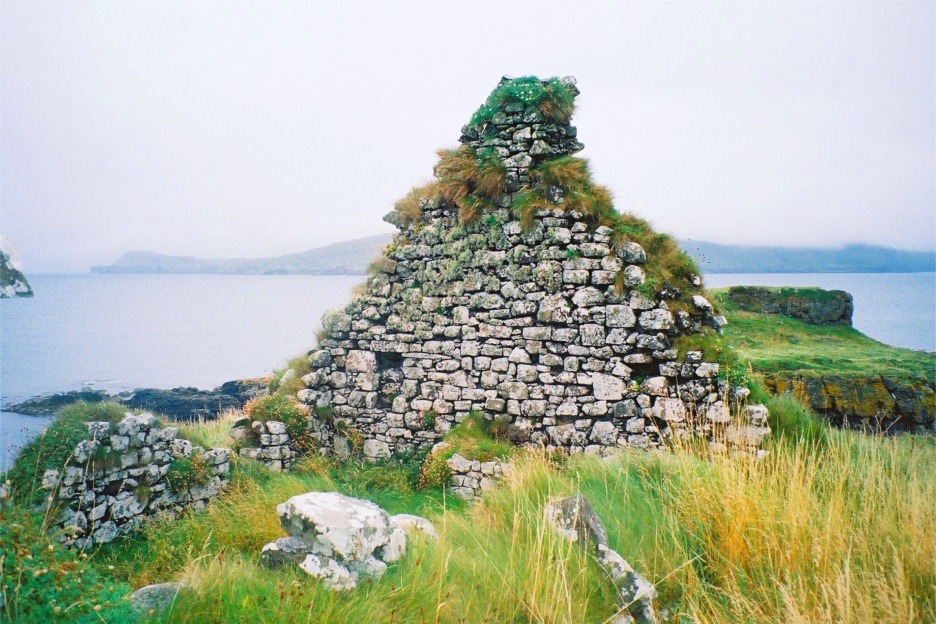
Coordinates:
135 454
340 539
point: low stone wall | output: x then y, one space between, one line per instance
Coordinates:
118 475
264 441
472 477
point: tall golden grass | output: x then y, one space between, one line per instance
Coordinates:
835 530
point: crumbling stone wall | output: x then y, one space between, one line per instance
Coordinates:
548 326
117 476
470 477
266 441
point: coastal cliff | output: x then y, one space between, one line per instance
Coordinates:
801 343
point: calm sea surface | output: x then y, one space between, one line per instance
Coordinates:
116 332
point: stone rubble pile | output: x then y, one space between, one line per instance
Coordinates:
339 539
472 477
117 476
266 441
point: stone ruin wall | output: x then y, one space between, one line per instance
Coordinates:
117 476
520 324
264 441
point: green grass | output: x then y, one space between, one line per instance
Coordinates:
300 366
779 344
729 298
42 582
553 98
832 526
472 438
837 531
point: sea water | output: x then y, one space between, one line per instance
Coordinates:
118 332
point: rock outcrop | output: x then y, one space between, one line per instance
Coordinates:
126 471
575 520
339 539
514 289
811 305
179 404
12 281
879 404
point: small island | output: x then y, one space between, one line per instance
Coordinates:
12 281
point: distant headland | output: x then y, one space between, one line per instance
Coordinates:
352 257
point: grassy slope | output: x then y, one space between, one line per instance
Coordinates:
779 344
832 527
838 529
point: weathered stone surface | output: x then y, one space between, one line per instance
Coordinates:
340 539
118 475
545 322
873 403
607 387
153 599
574 519
415 523
470 478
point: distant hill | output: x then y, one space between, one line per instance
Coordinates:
715 258
344 258
352 257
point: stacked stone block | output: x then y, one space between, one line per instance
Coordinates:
117 476
550 327
470 478
265 441
523 137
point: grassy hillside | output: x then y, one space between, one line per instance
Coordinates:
716 258
831 527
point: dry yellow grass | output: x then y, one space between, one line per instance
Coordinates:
838 530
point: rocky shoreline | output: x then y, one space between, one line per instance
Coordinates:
183 404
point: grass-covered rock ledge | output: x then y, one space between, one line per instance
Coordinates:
839 372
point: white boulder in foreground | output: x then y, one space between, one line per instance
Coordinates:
339 539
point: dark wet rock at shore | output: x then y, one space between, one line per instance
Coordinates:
181 404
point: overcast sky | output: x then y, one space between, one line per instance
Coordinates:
258 129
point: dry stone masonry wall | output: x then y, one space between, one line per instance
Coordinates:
470 477
551 326
118 475
266 441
